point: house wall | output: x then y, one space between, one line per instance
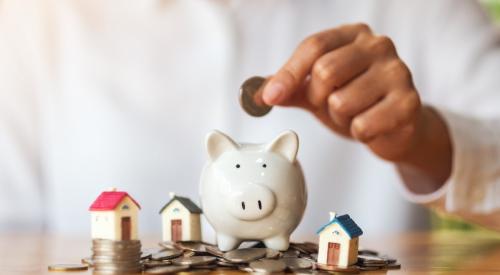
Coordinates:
107 224
191 229
132 212
195 227
102 224
327 236
353 251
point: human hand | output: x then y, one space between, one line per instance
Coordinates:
356 84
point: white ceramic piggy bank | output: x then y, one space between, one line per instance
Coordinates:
253 191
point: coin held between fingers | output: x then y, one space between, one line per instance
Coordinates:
251 97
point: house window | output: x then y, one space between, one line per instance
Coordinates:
336 232
176 210
125 207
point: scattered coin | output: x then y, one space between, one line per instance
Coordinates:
166 269
87 261
166 254
272 254
393 266
350 269
68 267
151 264
194 260
297 263
267 266
248 100
245 255
190 246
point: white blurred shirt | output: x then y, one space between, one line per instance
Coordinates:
121 93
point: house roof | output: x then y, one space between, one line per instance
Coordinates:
190 205
108 200
349 226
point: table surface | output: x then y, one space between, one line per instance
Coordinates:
418 253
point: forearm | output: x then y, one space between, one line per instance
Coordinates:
427 164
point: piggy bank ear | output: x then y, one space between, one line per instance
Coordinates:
218 143
286 144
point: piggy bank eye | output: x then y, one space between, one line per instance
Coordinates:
264 165
238 166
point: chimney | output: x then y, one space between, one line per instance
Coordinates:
332 215
171 194
111 189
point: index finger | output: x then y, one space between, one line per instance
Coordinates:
290 77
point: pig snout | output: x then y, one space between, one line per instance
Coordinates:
251 202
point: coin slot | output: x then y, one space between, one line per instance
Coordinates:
260 205
243 205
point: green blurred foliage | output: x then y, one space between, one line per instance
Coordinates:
493 8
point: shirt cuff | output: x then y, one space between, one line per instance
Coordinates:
456 191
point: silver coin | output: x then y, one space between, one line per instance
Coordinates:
195 260
245 255
297 263
214 250
291 253
88 261
166 269
191 246
247 97
151 264
272 254
267 266
166 254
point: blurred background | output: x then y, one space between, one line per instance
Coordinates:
95 94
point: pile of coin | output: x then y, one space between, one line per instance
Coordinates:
116 257
300 258
120 257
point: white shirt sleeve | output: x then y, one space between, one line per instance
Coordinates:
465 63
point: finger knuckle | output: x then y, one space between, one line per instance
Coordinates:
360 130
324 71
410 103
382 45
363 27
397 68
338 105
316 44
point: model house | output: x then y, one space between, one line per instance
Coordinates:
181 220
338 241
114 216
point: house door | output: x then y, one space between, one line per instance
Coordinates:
332 257
126 228
176 227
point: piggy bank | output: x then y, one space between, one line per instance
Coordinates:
253 191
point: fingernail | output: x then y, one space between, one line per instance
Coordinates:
273 93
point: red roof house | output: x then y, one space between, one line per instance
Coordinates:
108 200
114 216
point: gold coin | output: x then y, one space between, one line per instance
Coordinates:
68 267
248 102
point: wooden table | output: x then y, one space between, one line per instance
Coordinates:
418 253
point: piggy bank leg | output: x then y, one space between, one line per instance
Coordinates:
226 243
278 242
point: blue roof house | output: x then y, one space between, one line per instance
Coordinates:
338 241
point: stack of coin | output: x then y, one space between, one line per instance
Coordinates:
116 257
